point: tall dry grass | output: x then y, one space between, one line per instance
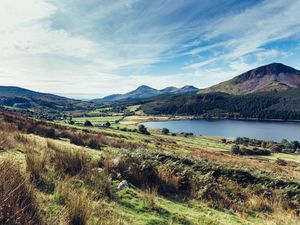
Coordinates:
18 205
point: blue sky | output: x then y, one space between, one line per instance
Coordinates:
93 48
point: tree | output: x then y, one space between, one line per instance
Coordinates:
165 131
295 145
87 123
223 140
71 121
235 150
107 124
143 130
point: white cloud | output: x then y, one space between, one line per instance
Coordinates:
102 46
253 28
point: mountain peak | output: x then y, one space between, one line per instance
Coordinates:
144 91
144 87
274 68
274 76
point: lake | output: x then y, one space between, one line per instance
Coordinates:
263 130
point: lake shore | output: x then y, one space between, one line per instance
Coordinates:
135 120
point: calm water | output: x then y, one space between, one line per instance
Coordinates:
263 130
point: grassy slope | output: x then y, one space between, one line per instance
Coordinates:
130 205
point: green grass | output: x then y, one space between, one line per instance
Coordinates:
130 204
169 211
287 157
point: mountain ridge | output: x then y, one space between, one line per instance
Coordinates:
43 105
271 77
144 91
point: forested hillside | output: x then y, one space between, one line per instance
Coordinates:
265 105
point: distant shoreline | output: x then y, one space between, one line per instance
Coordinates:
135 120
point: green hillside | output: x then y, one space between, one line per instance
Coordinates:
263 105
270 77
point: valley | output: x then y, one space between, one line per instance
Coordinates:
160 112
96 163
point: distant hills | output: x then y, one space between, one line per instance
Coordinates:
144 92
267 92
12 91
275 76
38 104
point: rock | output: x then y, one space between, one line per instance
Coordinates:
123 185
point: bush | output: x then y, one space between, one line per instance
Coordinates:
42 130
235 150
276 148
88 123
93 143
165 131
143 130
281 162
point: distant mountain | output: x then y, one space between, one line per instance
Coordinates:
39 104
275 76
144 92
12 91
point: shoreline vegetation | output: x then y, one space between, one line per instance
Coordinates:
134 120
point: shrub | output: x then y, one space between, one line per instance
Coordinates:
93 143
276 148
42 130
235 150
143 130
223 140
281 162
165 131
88 123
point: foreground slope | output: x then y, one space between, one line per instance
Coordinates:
275 76
74 173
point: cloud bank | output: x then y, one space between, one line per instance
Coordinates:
99 47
